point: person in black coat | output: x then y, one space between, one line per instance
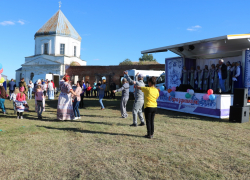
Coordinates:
12 86
222 75
112 87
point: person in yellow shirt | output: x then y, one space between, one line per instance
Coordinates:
151 95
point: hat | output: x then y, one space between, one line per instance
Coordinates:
140 76
66 78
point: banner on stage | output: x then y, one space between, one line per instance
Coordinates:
180 99
173 69
247 71
196 104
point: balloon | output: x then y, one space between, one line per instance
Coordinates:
172 93
2 80
173 88
210 91
161 93
169 90
191 92
212 97
1 70
206 97
0 76
162 88
188 90
187 95
1 66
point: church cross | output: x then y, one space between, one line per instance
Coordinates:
60 4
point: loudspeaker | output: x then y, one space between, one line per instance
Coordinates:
240 97
239 114
184 87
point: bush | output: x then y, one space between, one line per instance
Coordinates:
126 62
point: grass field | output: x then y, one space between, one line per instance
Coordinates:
103 146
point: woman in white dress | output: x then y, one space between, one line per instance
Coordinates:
65 106
50 90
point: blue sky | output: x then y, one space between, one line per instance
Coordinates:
113 30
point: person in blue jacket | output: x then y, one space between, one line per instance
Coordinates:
12 86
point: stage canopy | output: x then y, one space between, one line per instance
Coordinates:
219 47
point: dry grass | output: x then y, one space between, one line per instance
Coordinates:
103 146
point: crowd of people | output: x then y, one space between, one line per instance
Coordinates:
91 90
222 76
71 99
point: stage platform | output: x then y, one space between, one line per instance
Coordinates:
218 108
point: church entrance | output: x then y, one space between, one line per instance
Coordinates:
56 81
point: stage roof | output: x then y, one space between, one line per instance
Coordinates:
219 47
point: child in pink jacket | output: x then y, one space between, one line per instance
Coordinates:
20 103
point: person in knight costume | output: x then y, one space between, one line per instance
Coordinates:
191 76
198 78
228 80
184 77
205 78
211 76
216 83
238 76
232 75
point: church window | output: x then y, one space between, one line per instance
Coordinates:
45 48
75 51
62 48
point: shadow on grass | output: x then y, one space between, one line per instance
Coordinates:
89 132
99 116
102 123
94 102
35 118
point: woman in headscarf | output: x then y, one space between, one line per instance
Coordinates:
65 105
39 82
216 84
184 76
198 78
233 67
3 96
211 76
227 81
50 90
191 76
238 76
205 78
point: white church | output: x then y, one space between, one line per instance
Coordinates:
57 46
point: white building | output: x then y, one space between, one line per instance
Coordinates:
57 45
